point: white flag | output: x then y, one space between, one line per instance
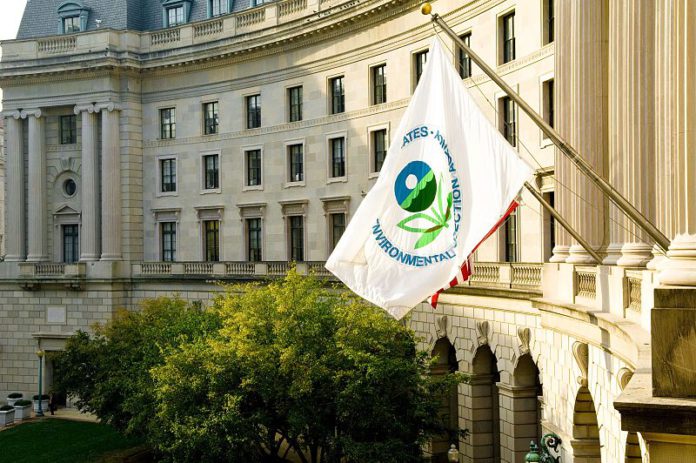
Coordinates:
448 180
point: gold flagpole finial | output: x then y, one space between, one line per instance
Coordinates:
426 9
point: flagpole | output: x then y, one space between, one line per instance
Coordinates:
623 204
559 218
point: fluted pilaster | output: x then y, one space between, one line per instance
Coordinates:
111 182
36 204
589 88
562 110
14 172
89 239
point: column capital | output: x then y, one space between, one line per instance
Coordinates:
14 114
108 106
90 108
30 112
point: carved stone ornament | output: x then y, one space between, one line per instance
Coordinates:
482 329
582 358
524 335
623 377
441 326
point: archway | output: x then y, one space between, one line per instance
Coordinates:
484 440
520 411
585 442
446 362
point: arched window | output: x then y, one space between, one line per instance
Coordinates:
73 17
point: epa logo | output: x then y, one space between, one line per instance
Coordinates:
418 191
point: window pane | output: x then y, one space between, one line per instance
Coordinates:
253 167
338 157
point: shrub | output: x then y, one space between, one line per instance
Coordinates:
15 395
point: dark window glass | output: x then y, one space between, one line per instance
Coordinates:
296 163
338 157
71 24
168 238
338 226
421 58
253 158
212 240
68 130
168 170
253 111
509 121
71 244
175 16
550 21
338 99
218 7
296 238
510 237
548 103
167 123
379 147
211 119
508 37
254 239
464 59
212 172
379 84
295 103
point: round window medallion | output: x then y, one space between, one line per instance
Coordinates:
70 187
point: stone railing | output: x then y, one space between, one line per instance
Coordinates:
55 45
207 28
164 37
586 286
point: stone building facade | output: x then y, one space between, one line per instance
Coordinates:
156 147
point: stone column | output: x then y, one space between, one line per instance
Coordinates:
14 177
589 88
36 202
111 182
89 237
635 155
680 268
563 170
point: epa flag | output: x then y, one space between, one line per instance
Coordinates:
448 181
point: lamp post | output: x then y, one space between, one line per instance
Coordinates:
40 353
453 454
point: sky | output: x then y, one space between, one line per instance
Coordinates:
10 16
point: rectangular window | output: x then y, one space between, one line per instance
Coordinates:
420 59
71 25
253 162
167 123
71 244
211 119
253 104
168 241
211 171
68 130
175 16
254 239
168 173
509 122
379 84
379 148
464 59
510 237
296 238
508 24
338 99
338 157
295 104
212 240
548 99
296 167
549 21
218 7
338 226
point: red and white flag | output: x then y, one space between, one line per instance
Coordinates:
449 180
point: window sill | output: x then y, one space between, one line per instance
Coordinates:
337 180
293 184
252 188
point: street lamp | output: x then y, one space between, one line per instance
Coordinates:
40 353
453 454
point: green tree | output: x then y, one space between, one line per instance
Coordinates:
109 371
298 370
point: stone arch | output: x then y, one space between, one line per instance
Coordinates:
519 410
483 444
446 362
633 453
585 443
